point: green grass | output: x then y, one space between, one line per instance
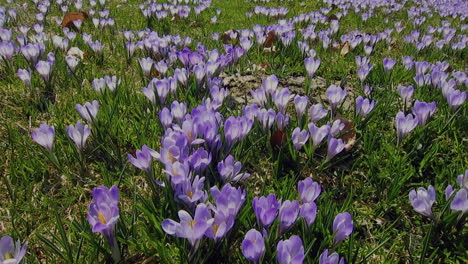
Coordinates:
46 203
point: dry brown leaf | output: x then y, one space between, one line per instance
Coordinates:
344 49
70 17
348 135
271 37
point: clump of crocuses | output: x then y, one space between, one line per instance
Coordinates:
103 215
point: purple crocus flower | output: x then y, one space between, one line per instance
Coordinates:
25 76
336 127
406 94
288 213
72 62
333 258
229 170
405 124
460 201
342 227
335 146
270 83
143 158
88 111
308 190
11 253
44 136
253 246
388 64
299 138
165 117
259 96
178 110
190 192
422 200
335 95
300 103
364 106
44 68
282 120
408 62
423 111
146 64
199 160
266 209
308 211
190 228
79 134
318 133
455 98
290 251
104 212
462 180
228 202
317 112
281 99
311 66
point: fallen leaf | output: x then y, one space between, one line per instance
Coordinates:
344 49
271 37
69 17
348 135
278 139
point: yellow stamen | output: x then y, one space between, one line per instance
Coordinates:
215 228
192 223
190 194
101 217
171 157
7 256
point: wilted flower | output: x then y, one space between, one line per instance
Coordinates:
190 228
422 200
44 136
342 227
104 212
88 111
79 134
290 251
11 253
253 246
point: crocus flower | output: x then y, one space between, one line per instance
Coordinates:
44 68
335 95
300 103
364 106
308 211
281 99
266 209
388 64
405 124
460 201
88 111
143 158
229 170
333 258
423 111
406 94
318 133
317 112
299 138
72 62
253 246
25 76
165 117
79 134
104 212
11 253
288 213
178 110
290 251
455 98
335 146
462 180
199 159
308 190
146 64
191 228
342 227
44 136
422 200
311 65
270 83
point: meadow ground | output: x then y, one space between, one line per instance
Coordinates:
362 165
